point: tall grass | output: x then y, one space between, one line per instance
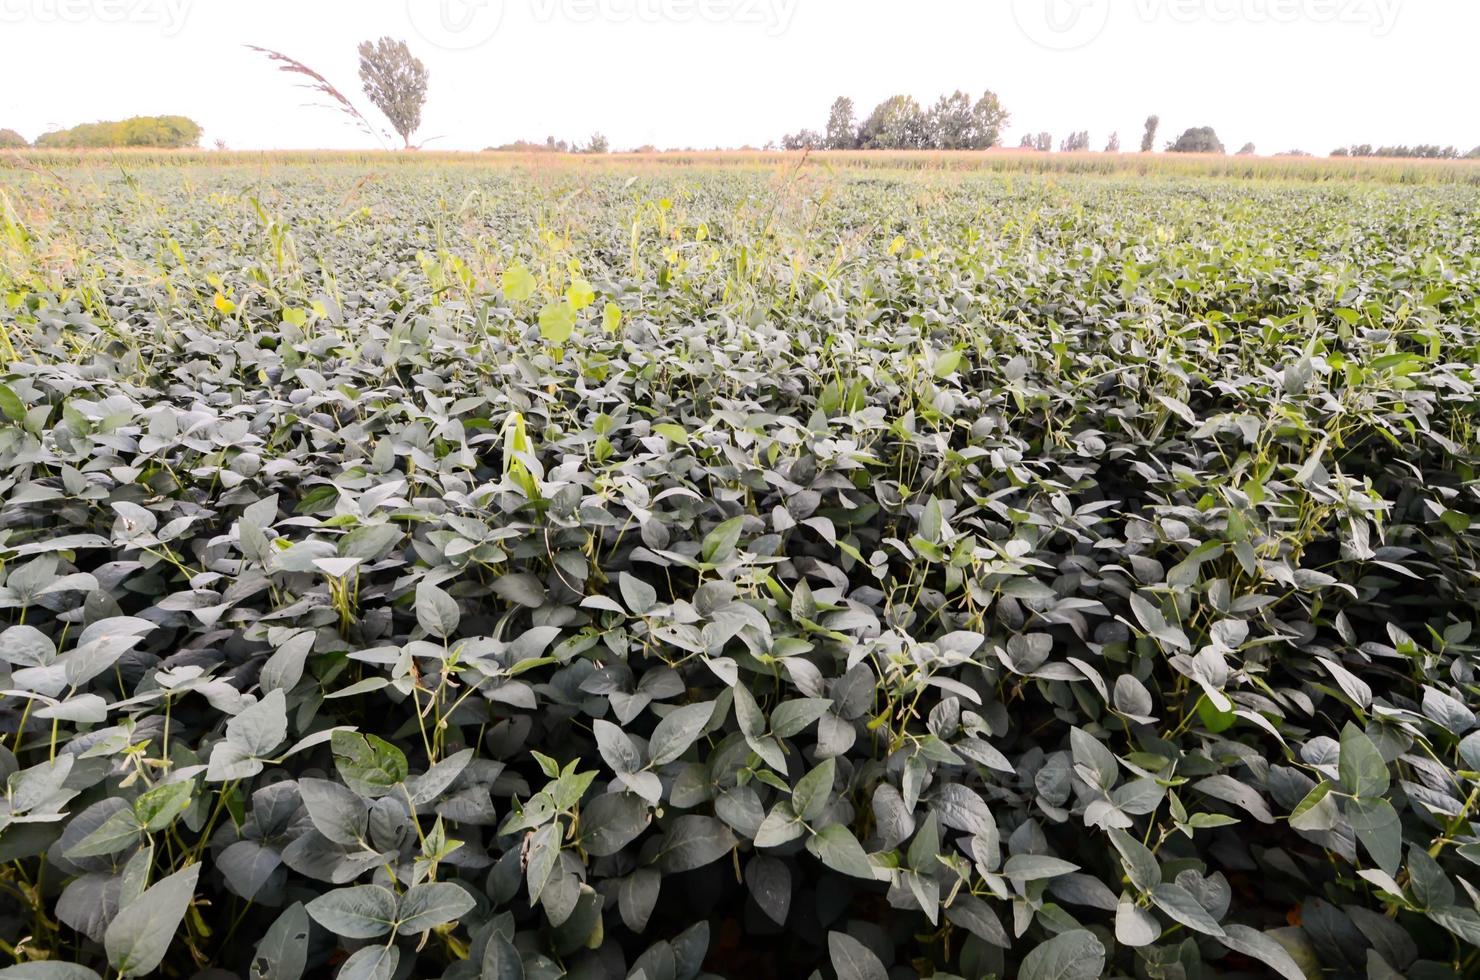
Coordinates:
1311 169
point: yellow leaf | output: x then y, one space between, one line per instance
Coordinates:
611 318
518 284
580 294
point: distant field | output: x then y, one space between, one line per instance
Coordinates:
735 565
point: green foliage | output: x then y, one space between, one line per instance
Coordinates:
897 123
692 573
1423 151
842 126
11 140
1076 142
1199 139
955 122
160 132
1148 138
395 82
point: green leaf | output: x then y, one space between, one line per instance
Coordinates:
1140 864
616 747
611 822
157 808
769 881
261 727
675 434
1035 867
852 959
814 791
139 936
368 764
336 812
1317 811
1094 759
791 718
431 904
1429 885
1463 922
283 952
925 849
1361 766
11 405
121 829
1134 926
1073 955
637 594
436 611
370 963
361 912
946 364
557 322
1377 826
284 669
678 730
1252 942
976 917
1182 906
720 543
542 855
637 895
693 842
26 646
501 961
836 847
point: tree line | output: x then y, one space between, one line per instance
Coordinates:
596 144
160 132
955 122
1424 151
396 82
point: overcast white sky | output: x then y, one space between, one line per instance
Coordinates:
1311 74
